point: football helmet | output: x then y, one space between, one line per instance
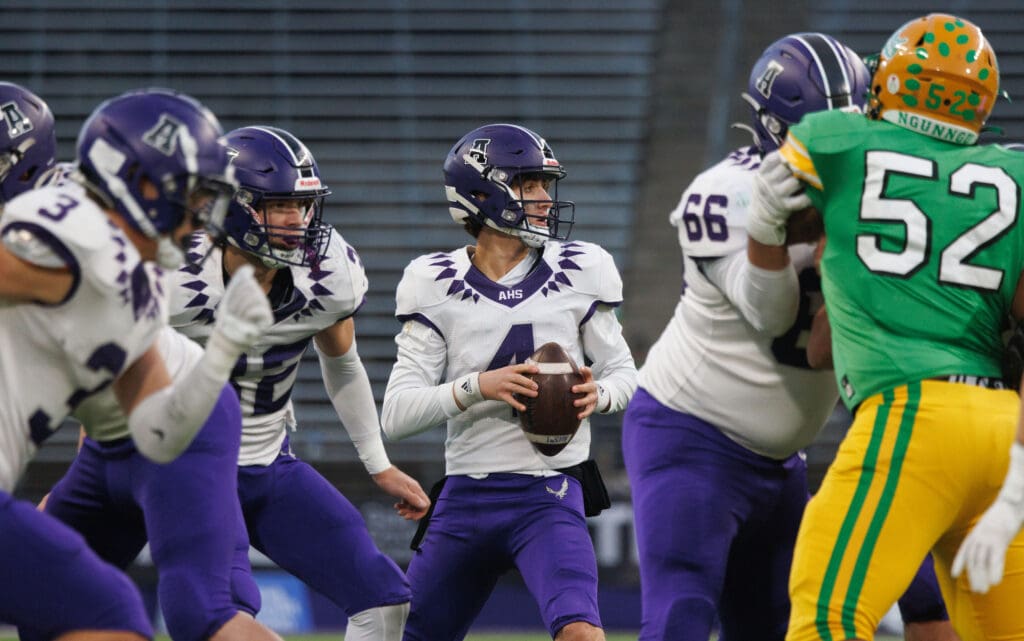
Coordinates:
28 142
936 75
157 138
482 175
799 74
273 165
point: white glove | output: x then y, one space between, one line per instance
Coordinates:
777 194
244 313
983 552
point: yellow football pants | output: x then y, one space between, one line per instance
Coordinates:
916 470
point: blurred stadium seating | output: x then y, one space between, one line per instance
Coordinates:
634 96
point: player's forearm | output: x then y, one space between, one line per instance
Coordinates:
349 389
410 411
768 299
769 257
614 368
414 401
164 423
819 344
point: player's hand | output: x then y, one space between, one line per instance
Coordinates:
501 384
983 552
244 313
589 388
777 194
412 500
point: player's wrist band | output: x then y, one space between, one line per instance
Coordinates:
604 400
466 390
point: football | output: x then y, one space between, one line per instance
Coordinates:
804 226
549 421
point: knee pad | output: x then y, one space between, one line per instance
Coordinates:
378 624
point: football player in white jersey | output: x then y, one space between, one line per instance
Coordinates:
119 500
82 305
315 284
727 399
471 317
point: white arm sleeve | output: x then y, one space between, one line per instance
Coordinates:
769 300
349 389
414 401
164 423
614 369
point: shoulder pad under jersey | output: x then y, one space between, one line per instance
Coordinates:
585 268
339 282
430 280
711 216
60 226
196 289
828 132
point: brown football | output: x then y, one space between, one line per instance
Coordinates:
549 421
804 226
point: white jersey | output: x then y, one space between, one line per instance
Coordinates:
709 361
52 357
266 372
550 296
101 414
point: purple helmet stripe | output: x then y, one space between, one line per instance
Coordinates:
829 62
291 143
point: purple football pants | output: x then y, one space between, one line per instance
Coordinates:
715 527
480 530
189 509
305 525
52 583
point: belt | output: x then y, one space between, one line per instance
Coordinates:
986 382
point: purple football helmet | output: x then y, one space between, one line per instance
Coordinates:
273 165
483 171
799 74
28 140
168 140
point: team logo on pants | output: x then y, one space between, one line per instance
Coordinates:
561 491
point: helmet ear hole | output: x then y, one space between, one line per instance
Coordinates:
27 175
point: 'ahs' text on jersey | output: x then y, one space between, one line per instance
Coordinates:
511 294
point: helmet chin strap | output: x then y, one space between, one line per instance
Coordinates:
270 262
530 238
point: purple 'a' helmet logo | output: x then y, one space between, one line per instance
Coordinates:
17 123
164 135
767 78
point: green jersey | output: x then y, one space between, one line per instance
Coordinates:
925 245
